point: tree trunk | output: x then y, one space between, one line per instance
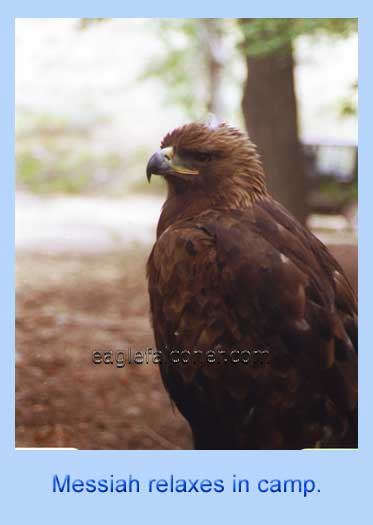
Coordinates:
270 112
211 42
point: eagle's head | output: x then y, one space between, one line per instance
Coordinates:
207 166
210 160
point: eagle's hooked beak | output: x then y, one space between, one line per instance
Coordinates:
163 162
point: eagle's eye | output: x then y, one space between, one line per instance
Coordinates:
202 156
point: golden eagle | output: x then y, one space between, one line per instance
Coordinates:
255 320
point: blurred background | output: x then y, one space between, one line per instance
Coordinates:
94 97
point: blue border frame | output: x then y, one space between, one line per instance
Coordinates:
26 477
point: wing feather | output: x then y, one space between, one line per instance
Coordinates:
250 282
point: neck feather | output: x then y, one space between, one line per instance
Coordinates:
237 193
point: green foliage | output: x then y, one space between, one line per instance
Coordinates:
182 67
54 154
340 193
348 105
268 35
177 65
84 23
53 173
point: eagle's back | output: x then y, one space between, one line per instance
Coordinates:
257 283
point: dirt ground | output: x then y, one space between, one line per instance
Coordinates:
69 306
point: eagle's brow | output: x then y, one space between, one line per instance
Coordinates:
186 152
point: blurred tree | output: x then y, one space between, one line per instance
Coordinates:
348 108
210 35
192 63
269 101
